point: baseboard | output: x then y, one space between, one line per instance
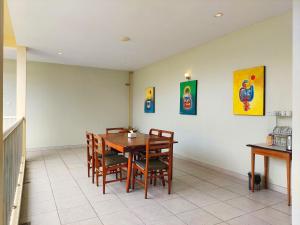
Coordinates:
242 177
55 147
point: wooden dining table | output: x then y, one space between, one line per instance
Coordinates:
123 144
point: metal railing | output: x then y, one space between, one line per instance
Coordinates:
14 165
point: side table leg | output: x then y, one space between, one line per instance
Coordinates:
288 170
266 162
252 170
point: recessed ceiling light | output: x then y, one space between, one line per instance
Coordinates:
219 14
125 39
60 52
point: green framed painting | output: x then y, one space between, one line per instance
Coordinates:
188 97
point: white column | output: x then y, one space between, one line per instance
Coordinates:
130 99
21 82
296 115
1 114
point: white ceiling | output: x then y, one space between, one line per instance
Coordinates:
89 31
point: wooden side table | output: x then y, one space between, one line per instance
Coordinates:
271 151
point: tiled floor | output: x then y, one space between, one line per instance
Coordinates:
58 191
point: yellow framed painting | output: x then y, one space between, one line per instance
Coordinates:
149 103
249 91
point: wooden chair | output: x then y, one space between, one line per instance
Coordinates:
106 164
170 135
116 130
155 132
154 162
90 153
165 134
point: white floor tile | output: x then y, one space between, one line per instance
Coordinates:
94 221
178 205
283 207
170 220
223 211
76 214
245 204
247 220
267 197
273 216
198 217
71 201
108 207
124 217
45 219
198 198
222 194
58 179
152 212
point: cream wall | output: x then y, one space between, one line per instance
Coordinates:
215 136
9 93
9 88
296 110
65 101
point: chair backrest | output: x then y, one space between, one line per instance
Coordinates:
155 132
99 146
89 143
155 144
167 134
116 130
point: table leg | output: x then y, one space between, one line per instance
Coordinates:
129 171
252 170
266 162
288 169
171 162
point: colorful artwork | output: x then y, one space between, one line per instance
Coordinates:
149 105
249 91
188 97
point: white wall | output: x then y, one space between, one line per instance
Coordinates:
65 101
9 92
215 136
296 110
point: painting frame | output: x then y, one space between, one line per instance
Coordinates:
149 101
249 90
188 97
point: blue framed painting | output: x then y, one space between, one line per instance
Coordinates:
188 97
149 104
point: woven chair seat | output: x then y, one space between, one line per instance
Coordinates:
154 164
114 160
108 153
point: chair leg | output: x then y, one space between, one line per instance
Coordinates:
97 177
151 177
121 176
133 177
116 174
162 178
88 166
146 183
93 173
169 181
103 181
154 177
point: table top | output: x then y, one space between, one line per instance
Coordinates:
121 139
270 147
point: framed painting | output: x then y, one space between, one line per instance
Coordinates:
149 104
249 91
188 97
